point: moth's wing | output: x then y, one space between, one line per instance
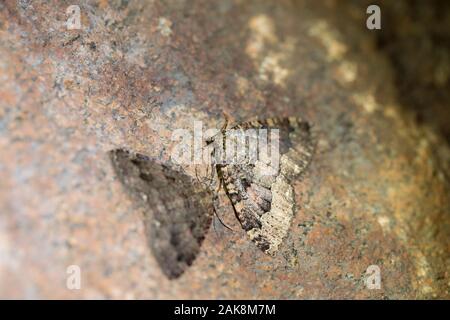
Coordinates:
297 145
296 142
178 209
264 200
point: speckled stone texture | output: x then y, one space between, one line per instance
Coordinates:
376 193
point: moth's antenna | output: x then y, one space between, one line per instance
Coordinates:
221 222
227 120
215 200
196 174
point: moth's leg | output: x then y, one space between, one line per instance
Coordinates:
214 223
219 182
227 121
210 140
196 174
216 204
212 178
222 184
205 181
201 181
219 185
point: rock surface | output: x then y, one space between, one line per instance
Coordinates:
377 192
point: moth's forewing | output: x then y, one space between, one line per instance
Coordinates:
261 191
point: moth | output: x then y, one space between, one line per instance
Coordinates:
180 208
260 191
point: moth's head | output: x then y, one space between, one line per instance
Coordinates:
209 140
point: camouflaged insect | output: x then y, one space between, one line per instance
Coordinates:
262 195
179 208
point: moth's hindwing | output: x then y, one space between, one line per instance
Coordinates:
264 203
178 209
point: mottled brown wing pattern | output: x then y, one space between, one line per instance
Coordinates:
178 209
264 204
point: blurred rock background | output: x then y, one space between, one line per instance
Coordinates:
417 42
377 192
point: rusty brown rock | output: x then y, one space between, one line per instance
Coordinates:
377 191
